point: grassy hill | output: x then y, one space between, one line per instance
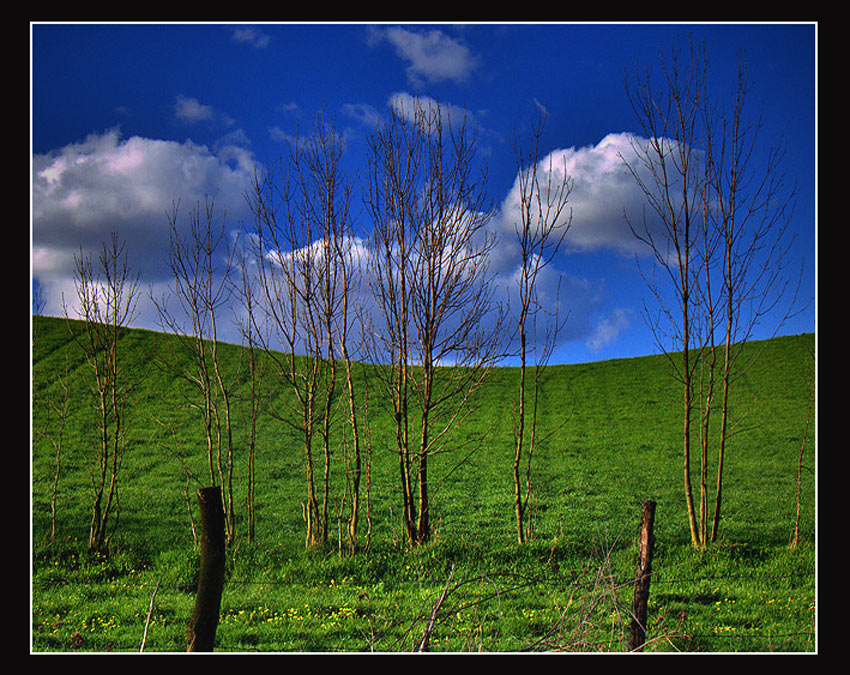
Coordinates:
613 440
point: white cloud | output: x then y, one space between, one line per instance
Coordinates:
256 38
84 191
363 113
604 192
291 108
408 105
189 109
608 329
433 56
278 134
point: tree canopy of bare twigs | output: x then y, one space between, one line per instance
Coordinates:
432 331
106 302
540 226
306 269
201 262
718 234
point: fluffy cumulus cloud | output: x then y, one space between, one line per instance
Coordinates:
83 192
604 195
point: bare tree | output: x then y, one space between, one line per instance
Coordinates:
339 280
106 296
540 227
751 207
55 430
305 270
286 273
795 537
432 333
201 263
719 236
247 292
675 178
342 274
61 409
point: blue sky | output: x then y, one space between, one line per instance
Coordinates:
128 117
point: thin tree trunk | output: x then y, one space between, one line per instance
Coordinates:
518 501
689 497
796 538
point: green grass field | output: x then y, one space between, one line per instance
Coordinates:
613 441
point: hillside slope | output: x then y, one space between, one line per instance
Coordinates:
610 437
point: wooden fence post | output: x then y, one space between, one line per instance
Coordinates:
642 576
200 635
